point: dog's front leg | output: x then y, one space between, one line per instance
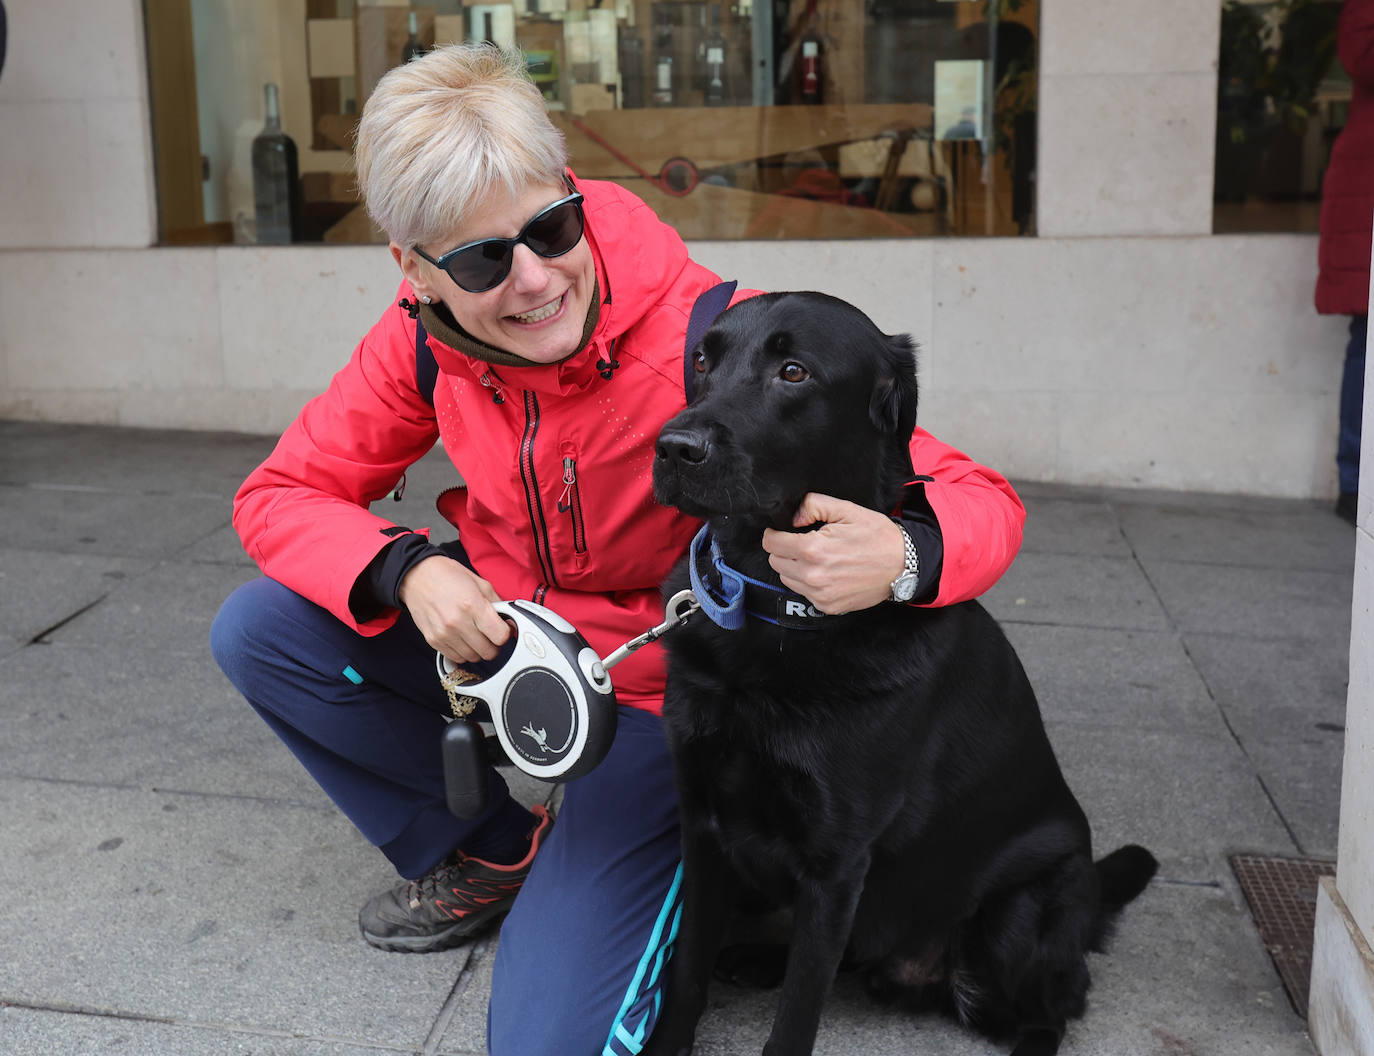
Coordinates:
823 917
708 892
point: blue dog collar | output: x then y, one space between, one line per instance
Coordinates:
740 596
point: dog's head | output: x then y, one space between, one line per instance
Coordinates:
795 392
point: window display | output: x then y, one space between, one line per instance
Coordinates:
1282 98
734 119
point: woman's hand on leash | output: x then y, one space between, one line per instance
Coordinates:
847 564
452 607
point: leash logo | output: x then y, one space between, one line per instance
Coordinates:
802 610
539 737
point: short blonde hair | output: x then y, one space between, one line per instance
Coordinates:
443 132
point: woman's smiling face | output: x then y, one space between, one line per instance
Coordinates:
539 310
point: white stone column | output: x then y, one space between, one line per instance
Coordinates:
1341 1005
1127 117
76 162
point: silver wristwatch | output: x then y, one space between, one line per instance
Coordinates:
904 586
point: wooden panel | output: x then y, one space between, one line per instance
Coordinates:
356 226
711 212
714 136
587 97
330 44
329 187
176 127
448 29
337 130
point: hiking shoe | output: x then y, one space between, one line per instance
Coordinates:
459 898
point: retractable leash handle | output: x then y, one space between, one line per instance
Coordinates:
552 702
552 705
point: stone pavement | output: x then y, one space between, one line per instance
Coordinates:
175 884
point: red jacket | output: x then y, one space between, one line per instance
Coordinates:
1347 212
557 461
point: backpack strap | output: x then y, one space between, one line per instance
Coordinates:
426 366
709 305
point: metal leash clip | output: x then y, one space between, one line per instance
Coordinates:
680 606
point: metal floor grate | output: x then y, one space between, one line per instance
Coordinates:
1282 893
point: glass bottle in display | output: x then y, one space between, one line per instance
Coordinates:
412 49
715 61
663 61
812 49
631 69
276 183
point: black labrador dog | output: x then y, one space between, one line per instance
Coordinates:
885 773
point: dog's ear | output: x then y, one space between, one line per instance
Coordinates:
892 407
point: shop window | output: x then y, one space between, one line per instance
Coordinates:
1282 98
734 119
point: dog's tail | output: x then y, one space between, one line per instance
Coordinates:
1121 876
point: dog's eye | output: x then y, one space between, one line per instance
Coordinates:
793 372
699 362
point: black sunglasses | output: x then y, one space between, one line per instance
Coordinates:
479 266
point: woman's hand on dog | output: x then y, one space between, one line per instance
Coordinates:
452 607
847 564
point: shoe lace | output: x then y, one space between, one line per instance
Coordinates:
442 874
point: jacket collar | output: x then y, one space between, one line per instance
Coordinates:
440 324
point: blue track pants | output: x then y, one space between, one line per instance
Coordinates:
582 951
1352 406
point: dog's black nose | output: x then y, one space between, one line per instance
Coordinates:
683 445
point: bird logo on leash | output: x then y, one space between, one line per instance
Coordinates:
540 737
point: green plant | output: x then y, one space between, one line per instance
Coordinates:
1273 57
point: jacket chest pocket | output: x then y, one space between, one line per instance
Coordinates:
570 501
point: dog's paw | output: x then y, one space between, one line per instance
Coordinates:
753 965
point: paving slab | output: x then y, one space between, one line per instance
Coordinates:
146 719
1077 591
1261 603
1131 680
168 608
39 1032
1189 799
220 547
1066 524
158 461
93 519
209 910
1303 778
40 590
1275 688
1272 534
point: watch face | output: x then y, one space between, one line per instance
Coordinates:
904 589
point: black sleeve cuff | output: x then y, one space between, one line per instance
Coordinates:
919 521
375 590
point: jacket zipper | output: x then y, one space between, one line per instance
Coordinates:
534 507
570 501
491 380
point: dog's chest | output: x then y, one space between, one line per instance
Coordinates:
768 784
